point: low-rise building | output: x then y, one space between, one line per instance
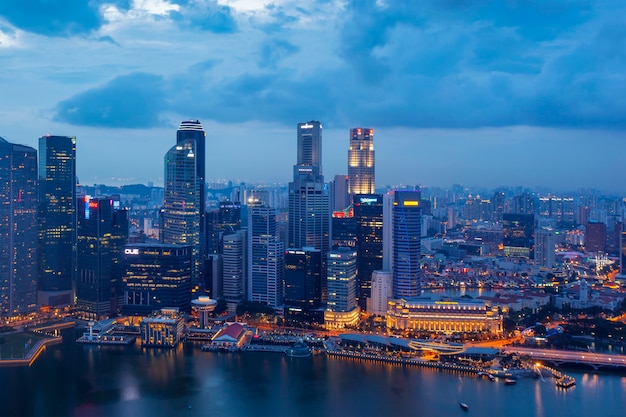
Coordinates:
164 329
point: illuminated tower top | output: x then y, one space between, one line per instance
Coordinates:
361 161
310 145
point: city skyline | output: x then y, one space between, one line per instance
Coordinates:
480 94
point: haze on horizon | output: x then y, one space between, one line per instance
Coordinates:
479 93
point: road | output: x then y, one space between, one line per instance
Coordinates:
596 359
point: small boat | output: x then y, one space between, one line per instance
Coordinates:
491 377
299 350
463 406
510 381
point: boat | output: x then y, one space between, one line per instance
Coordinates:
510 381
299 350
565 381
463 406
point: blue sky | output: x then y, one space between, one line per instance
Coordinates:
482 93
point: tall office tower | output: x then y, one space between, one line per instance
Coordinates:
192 130
381 292
545 244
234 268
266 259
18 229
156 276
342 309
220 222
406 250
622 245
101 233
595 237
343 228
57 219
182 203
361 161
339 193
518 232
368 214
309 215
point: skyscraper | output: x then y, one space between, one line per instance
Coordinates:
309 215
545 244
266 256
102 230
342 309
406 250
182 202
361 161
18 228
234 268
303 278
57 219
518 232
368 215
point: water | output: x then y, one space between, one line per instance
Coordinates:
79 380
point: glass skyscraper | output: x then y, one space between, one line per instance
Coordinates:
361 174
368 215
406 250
266 256
57 218
18 228
309 210
182 202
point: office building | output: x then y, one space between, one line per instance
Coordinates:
518 235
382 291
309 215
361 162
545 245
182 203
57 219
102 230
406 225
164 329
156 276
341 309
234 263
303 282
368 216
18 229
266 256
339 193
595 237
343 228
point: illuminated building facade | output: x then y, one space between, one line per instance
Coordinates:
57 219
182 202
156 276
163 329
309 210
102 230
266 256
18 229
518 232
361 161
444 316
368 215
381 292
342 309
406 243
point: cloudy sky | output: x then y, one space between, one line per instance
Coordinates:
481 92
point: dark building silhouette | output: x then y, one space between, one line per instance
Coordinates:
57 219
518 235
406 232
368 215
595 237
18 229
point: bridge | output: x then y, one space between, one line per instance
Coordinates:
559 357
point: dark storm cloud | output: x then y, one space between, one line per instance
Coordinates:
56 17
130 101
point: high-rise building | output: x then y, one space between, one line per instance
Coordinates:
266 256
545 244
382 291
342 309
406 244
368 215
18 229
182 202
156 276
595 237
339 193
102 230
57 219
343 228
518 232
303 283
309 215
234 262
361 161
